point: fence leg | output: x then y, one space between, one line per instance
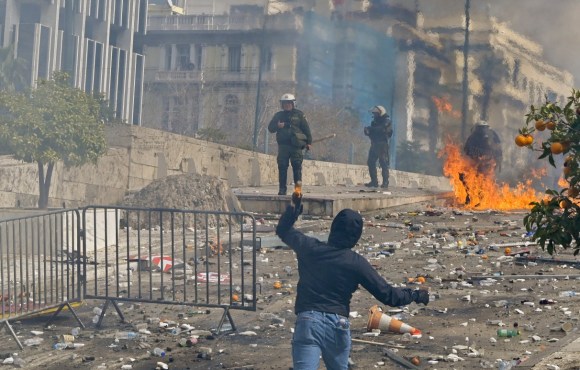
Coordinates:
60 309
121 316
230 320
12 333
98 325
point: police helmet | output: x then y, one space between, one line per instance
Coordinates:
379 110
288 98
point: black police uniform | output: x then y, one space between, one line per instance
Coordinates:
380 131
484 147
291 139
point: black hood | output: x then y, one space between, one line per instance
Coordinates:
346 229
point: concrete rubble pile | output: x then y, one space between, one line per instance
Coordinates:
184 192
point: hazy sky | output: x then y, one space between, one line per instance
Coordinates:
552 23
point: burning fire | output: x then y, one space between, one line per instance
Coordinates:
563 183
444 106
481 189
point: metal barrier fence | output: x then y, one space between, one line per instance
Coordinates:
169 256
39 265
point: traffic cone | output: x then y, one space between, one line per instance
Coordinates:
379 320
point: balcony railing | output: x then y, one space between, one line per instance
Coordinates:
244 22
178 75
218 75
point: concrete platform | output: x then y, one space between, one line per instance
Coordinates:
329 200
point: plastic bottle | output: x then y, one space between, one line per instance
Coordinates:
508 333
33 341
567 293
126 335
187 342
158 352
175 331
60 345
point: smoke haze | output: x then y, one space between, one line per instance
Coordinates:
552 24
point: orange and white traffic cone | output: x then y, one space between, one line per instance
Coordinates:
379 320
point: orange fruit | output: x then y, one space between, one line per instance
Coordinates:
566 145
529 139
521 140
565 203
421 279
235 298
507 251
277 285
416 361
557 148
540 125
551 125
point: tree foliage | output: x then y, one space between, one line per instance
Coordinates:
555 220
50 123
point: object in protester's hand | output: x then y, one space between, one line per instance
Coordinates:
297 198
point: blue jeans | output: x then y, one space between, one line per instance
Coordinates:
319 333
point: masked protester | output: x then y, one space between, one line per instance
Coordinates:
329 273
293 136
380 131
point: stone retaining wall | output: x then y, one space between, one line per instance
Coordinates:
138 155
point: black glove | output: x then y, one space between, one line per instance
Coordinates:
421 296
287 219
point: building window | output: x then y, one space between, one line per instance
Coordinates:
183 61
168 57
198 56
267 59
235 58
175 114
231 104
516 73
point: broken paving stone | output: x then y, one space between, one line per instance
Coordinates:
248 333
162 365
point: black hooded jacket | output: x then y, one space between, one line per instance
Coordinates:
331 272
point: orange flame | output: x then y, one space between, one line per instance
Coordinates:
444 106
538 173
563 182
481 188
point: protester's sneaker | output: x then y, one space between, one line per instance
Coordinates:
372 184
385 185
282 192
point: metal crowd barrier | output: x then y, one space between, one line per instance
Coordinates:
170 256
39 266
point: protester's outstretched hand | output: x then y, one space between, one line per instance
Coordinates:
421 296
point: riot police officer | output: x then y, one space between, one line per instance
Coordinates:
484 146
380 131
293 136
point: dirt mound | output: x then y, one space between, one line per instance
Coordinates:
187 193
